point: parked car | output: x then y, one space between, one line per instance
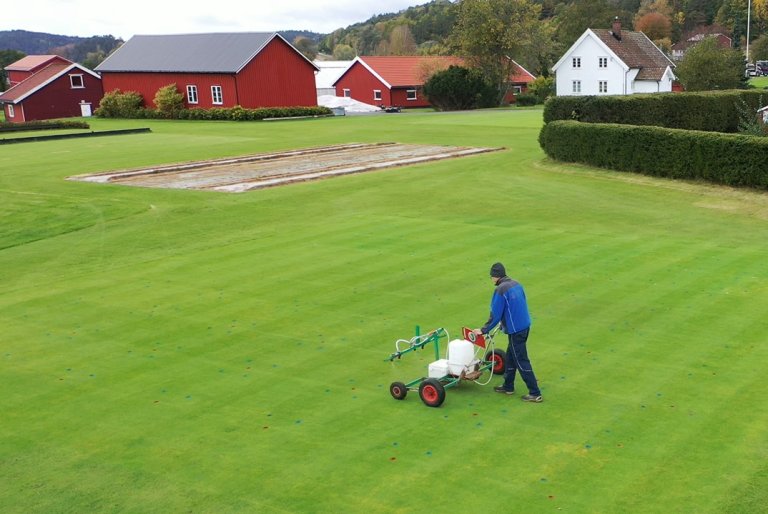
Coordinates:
761 67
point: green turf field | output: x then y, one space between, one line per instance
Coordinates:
173 351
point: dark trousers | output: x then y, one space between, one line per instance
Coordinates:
517 360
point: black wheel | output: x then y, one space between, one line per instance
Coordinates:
398 390
432 392
498 358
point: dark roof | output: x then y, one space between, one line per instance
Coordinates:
185 53
637 51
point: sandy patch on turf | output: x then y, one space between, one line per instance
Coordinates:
240 174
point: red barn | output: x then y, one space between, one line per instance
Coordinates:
48 86
398 80
249 69
29 65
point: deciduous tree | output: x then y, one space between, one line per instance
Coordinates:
758 49
343 53
490 33
655 25
458 88
401 41
7 57
306 46
581 15
706 66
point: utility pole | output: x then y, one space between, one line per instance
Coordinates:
749 13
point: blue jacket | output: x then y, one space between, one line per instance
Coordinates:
508 306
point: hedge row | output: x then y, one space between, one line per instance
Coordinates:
42 125
236 113
730 159
712 111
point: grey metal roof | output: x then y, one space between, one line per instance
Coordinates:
200 53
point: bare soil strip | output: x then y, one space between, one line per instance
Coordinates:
240 174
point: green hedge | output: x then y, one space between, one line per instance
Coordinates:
730 159
42 125
712 111
236 113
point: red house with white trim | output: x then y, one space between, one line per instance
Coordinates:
250 69
399 80
44 87
29 65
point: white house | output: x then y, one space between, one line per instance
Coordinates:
613 62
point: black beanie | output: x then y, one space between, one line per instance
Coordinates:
498 271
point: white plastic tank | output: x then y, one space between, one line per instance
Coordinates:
461 353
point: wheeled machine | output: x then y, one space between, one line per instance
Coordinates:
466 359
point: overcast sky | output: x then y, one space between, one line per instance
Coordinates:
124 19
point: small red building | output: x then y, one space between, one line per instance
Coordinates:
399 80
44 87
698 35
29 65
249 69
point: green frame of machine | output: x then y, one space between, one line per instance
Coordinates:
432 390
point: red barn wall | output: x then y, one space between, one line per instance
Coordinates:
361 84
277 77
510 96
59 100
147 85
14 77
400 97
18 113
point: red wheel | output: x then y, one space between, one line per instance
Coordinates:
432 392
398 390
497 357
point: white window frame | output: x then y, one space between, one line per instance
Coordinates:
576 86
410 95
347 93
377 95
11 112
602 62
217 95
80 79
192 97
576 62
517 90
602 86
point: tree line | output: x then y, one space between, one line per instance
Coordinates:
433 28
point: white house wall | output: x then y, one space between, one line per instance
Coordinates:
646 86
653 86
630 81
590 74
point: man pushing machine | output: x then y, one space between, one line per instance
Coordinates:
510 308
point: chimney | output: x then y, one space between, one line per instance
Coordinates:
616 28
